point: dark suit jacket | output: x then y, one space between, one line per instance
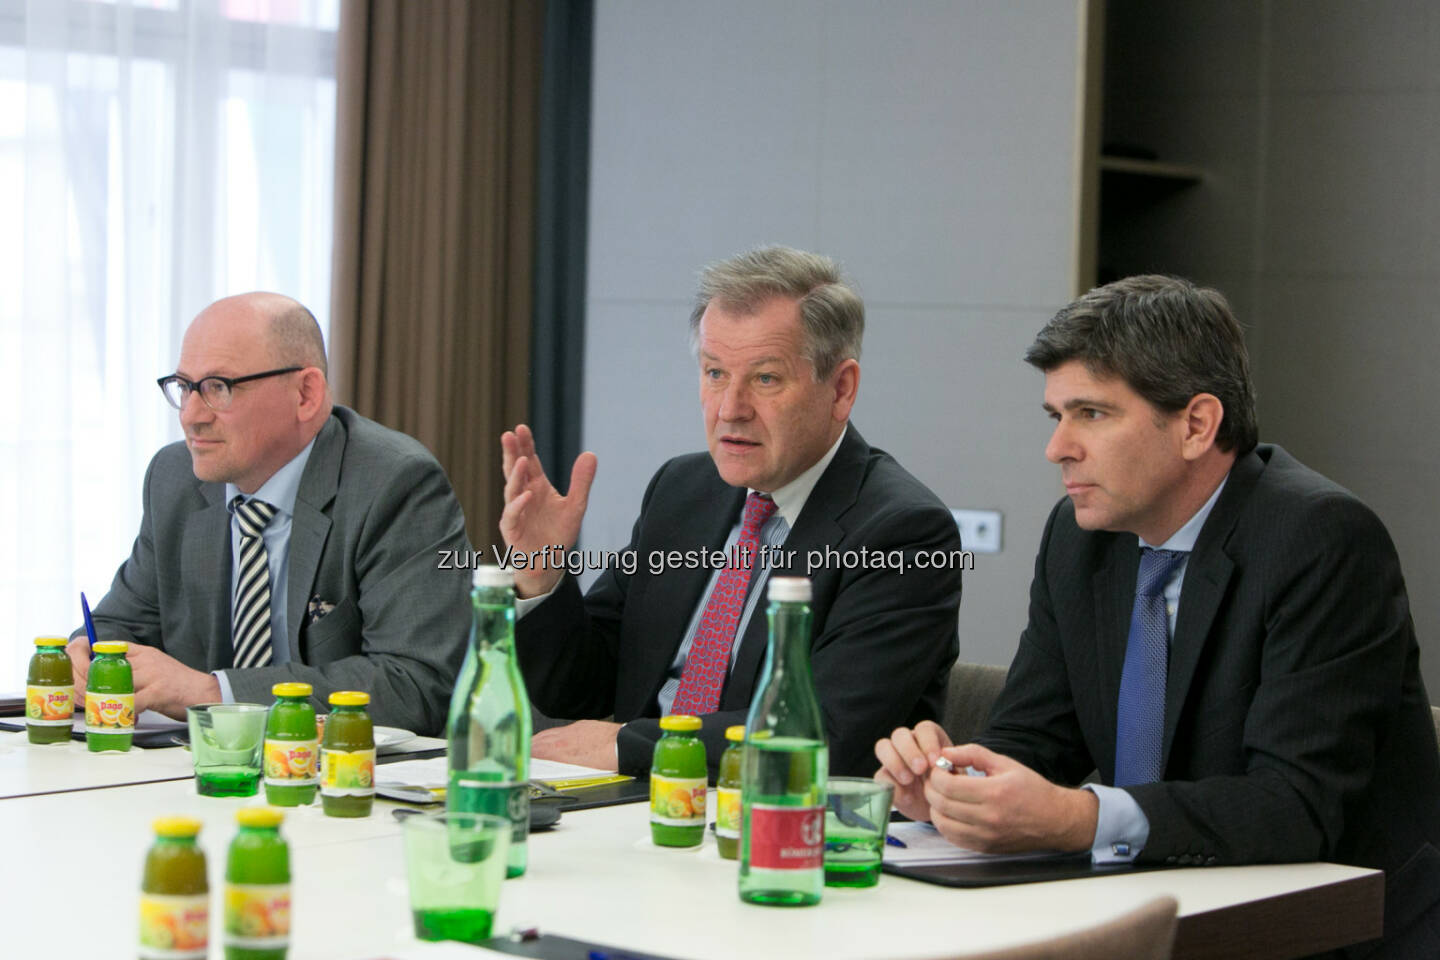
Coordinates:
1297 726
373 513
883 641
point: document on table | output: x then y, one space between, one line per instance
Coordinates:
924 846
432 775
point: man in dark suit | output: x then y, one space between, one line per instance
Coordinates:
1218 631
777 334
335 584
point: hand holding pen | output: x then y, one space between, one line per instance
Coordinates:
906 758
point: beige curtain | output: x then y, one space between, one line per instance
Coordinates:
437 110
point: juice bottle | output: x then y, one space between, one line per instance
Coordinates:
257 888
110 699
677 784
174 894
49 692
292 748
727 794
347 757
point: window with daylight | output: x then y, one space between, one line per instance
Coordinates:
155 155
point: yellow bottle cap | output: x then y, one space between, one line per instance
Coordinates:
50 641
680 722
111 646
259 817
735 733
176 827
292 689
349 698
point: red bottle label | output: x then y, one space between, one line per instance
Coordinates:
787 838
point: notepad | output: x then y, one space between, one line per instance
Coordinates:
924 846
424 781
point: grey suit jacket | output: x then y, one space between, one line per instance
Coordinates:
1297 726
372 516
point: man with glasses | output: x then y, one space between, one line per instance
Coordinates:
286 538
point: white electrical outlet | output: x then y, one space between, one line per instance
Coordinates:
979 530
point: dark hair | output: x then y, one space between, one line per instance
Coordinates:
832 315
1165 337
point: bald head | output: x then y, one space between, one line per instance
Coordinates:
269 419
289 331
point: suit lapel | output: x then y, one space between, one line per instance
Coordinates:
1207 575
701 518
206 548
1114 591
310 526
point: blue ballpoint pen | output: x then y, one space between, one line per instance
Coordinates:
89 623
894 841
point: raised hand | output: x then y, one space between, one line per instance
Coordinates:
536 517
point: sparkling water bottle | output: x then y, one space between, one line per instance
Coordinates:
782 796
489 726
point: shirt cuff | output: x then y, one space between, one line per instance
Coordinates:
1121 827
226 694
524 605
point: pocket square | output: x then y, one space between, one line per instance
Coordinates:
318 608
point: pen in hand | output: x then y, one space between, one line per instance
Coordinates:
943 763
89 623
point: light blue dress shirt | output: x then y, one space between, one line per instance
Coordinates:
1121 827
280 492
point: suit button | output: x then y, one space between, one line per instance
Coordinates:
1170 859
1210 860
1185 859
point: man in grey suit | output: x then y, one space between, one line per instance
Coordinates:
1221 633
286 538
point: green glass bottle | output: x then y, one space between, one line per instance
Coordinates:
49 692
347 757
292 747
175 894
677 784
489 724
727 794
257 888
782 797
109 699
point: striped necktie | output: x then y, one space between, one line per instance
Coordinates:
250 620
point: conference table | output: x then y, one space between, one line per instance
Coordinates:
74 828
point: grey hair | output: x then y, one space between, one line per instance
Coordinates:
832 315
1165 337
295 336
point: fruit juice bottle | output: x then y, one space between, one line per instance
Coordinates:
49 692
257 888
347 757
727 794
677 784
174 894
109 699
292 748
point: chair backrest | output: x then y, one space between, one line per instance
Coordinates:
1145 933
973 689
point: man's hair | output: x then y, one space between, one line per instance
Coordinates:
1165 337
832 315
295 337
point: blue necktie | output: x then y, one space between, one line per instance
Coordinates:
1141 723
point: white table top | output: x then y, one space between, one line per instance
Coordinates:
27 769
596 877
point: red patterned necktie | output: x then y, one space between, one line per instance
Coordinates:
709 658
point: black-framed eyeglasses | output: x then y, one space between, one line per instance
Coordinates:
217 392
